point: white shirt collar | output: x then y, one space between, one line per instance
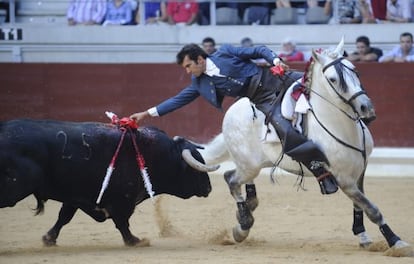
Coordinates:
211 69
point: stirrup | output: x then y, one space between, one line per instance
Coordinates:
327 183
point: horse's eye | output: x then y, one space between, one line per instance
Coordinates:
332 80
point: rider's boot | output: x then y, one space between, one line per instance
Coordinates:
308 153
305 151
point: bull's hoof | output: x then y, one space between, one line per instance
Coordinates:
48 240
136 242
239 234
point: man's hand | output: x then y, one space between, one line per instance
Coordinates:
138 117
279 63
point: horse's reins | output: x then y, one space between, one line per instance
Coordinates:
348 102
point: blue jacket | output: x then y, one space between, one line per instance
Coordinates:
234 63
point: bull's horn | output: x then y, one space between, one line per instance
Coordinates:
179 138
195 164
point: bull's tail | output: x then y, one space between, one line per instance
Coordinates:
40 208
215 151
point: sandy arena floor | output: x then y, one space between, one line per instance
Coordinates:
290 227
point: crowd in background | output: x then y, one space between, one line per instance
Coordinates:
189 12
364 52
193 12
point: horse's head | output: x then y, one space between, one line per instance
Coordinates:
341 81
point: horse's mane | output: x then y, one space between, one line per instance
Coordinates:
340 68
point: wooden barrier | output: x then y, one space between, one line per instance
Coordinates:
83 92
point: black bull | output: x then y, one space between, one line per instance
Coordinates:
67 162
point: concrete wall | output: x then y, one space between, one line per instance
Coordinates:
83 92
159 44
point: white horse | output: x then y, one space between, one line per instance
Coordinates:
337 102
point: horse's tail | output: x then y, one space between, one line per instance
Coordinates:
215 151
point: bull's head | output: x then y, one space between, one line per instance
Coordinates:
175 165
195 166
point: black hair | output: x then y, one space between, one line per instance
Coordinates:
193 51
407 34
363 39
209 40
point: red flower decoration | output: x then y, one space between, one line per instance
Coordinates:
277 70
127 122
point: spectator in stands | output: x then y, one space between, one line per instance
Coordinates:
312 3
155 13
404 52
283 3
248 43
182 12
289 51
86 12
373 11
399 11
364 51
209 45
204 10
118 12
255 13
343 11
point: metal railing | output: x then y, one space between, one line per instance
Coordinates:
141 6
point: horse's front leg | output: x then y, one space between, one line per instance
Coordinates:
244 215
358 227
397 246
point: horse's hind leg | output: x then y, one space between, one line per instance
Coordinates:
358 227
244 215
374 214
251 196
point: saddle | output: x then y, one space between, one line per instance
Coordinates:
293 105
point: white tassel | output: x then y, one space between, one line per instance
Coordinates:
147 183
110 115
105 183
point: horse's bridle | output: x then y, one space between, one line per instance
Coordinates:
348 102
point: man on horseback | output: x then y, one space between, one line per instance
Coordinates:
231 72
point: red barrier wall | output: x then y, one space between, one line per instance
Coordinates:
83 92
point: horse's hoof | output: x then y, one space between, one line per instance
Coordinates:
48 241
364 240
365 245
239 235
400 249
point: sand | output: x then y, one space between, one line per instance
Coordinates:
291 226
